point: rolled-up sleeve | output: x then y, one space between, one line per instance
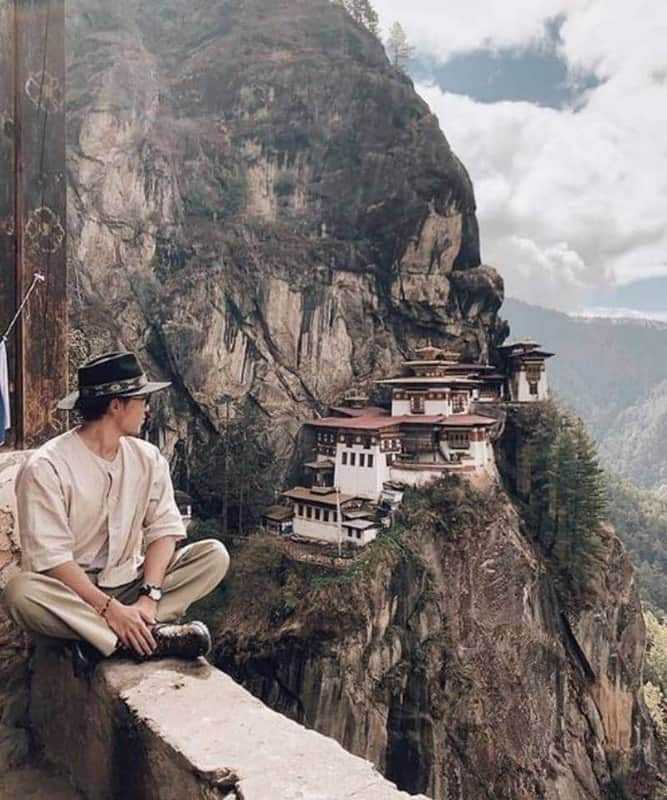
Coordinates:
162 516
44 532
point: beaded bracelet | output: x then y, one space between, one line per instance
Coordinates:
106 607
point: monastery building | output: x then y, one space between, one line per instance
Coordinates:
363 455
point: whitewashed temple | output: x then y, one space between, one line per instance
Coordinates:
364 454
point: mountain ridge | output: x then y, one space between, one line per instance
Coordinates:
611 373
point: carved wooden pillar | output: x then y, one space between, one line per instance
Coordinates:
33 211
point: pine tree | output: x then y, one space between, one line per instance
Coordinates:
238 469
399 49
568 500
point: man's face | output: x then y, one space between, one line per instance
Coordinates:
131 414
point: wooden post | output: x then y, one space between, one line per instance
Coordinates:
33 211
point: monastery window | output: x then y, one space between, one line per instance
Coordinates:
349 533
458 403
353 459
362 459
459 440
343 458
533 388
318 513
309 512
390 460
417 404
334 516
533 373
358 534
325 515
300 511
370 460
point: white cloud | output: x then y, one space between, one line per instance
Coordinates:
567 200
443 28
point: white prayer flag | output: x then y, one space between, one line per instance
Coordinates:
4 387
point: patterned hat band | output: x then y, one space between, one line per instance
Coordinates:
116 387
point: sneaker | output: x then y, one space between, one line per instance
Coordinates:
189 640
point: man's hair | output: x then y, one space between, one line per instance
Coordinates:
91 409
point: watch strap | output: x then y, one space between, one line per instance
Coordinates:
147 590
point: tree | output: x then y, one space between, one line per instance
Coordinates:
399 49
568 500
362 12
236 472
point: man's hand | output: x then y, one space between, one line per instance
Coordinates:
131 624
147 608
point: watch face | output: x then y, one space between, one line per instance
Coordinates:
155 594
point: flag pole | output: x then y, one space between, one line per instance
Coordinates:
340 525
36 278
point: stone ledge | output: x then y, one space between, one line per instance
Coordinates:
170 730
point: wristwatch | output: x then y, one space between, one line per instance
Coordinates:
154 592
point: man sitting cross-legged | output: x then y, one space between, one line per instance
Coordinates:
98 527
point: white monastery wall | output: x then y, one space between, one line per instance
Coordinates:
523 388
357 480
366 536
437 407
478 453
400 408
315 529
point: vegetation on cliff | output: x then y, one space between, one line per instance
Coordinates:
640 518
362 11
655 671
440 652
561 491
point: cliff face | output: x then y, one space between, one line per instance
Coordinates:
262 206
445 657
265 210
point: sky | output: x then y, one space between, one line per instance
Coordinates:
558 109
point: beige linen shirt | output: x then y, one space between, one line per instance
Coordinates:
75 506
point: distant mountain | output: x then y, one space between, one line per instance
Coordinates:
646 295
640 518
613 373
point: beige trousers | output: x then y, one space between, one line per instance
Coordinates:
46 606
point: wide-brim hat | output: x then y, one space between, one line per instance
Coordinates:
111 375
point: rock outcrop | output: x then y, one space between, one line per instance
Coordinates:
151 732
446 657
262 206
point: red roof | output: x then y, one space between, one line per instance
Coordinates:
380 423
467 420
369 411
368 423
